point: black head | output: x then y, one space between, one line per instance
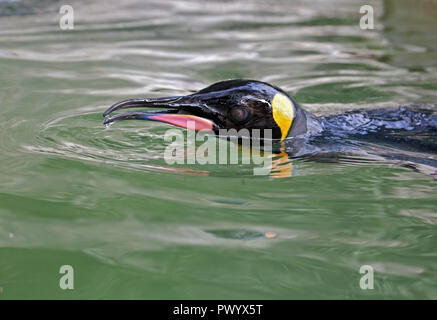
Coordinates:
231 104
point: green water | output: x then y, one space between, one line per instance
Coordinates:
104 201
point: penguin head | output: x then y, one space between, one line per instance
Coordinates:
232 104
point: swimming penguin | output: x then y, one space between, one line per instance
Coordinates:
250 104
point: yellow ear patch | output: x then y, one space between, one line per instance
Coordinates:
283 113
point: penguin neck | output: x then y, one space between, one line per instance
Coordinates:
304 123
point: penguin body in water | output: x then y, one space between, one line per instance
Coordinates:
250 104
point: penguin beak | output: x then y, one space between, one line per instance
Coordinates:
180 111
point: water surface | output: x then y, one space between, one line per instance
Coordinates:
104 201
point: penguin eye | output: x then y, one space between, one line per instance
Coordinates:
239 114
